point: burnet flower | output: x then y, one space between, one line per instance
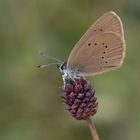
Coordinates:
79 98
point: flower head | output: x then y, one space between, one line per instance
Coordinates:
79 98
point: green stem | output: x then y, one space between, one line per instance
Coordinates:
92 129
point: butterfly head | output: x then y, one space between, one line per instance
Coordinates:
62 67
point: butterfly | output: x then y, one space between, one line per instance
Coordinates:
101 49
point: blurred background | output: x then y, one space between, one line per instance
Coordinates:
30 103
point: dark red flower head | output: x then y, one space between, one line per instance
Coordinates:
79 98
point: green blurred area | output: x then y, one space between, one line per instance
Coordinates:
30 103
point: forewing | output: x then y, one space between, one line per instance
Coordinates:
109 22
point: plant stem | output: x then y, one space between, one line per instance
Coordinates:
92 129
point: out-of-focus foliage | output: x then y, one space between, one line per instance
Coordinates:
30 103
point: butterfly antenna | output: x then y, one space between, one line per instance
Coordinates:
53 58
46 65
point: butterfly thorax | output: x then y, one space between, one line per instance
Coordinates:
69 73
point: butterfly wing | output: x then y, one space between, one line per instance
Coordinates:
101 48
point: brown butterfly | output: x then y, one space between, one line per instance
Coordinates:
102 48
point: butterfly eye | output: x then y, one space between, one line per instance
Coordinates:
106 46
95 44
103 52
103 57
103 43
106 61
